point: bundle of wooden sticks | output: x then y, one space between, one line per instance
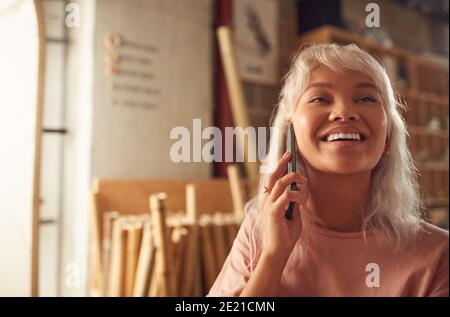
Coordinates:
138 253
162 237
161 253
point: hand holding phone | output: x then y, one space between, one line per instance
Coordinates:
290 146
283 194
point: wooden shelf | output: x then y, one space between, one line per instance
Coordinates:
328 32
425 96
427 131
423 72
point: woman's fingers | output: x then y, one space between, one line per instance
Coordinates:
283 182
280 205
279 170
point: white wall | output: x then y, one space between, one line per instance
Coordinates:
18 103
77 153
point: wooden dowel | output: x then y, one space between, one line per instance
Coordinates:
157 209
116 273
155 274
236 191
134 234
218 239
146 263
179 239
178 220
189 279
108 220
194 214
197 290
185 281
230 232
236 93
232 227
208 255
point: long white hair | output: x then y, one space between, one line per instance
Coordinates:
395 207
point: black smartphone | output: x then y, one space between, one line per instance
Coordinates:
290 146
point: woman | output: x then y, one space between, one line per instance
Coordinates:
357 228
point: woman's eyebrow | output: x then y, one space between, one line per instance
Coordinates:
329 85
366 85
320 85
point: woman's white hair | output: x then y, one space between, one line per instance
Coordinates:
395 207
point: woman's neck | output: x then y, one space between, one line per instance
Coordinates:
336 201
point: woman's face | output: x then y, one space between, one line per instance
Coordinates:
335 110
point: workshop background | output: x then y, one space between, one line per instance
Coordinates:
91 90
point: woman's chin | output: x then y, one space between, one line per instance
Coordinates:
345 167
340 165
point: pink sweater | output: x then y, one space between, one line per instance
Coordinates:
343 264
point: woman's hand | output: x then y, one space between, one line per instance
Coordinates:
281 234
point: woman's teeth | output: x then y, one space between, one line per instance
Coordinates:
343 136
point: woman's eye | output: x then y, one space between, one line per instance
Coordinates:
367 99
319 100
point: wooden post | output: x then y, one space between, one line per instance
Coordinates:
35 213
238 105
97 275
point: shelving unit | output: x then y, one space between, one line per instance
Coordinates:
422 82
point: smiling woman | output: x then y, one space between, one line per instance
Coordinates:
358 228
333 108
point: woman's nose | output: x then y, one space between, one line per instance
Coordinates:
343 112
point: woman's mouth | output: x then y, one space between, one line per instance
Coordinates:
344 139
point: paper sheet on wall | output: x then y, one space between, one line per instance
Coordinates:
256 36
